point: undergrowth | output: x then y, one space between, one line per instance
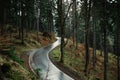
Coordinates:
75 60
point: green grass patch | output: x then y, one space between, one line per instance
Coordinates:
75 60
55 54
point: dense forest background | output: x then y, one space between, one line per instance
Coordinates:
94 23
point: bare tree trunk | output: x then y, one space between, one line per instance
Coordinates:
101 41
94 36
22 34
73 21
61 24
86 37
118 43
5 16
50 17
118 55
94 45
76 46
37 28
87 19
20 20
105 46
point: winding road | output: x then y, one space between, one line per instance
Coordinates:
39 59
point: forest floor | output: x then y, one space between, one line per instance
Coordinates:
74 62
15 55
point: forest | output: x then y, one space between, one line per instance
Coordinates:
82 37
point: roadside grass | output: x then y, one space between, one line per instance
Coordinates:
55 54
14 71
19 71
75 60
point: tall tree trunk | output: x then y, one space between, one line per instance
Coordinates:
118 50
38 17
20 27
50 17
61 24
37 28
105 38
76 46
5 16
73 21
22 22
118 42
94 36
22 34
19 19
1 29
86 37
101 45
87 19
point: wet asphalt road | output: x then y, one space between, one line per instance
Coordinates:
39 59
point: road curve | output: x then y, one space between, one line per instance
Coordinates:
39 59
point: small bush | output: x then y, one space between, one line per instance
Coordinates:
37 71
5 68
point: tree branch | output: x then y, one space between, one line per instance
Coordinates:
68 11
